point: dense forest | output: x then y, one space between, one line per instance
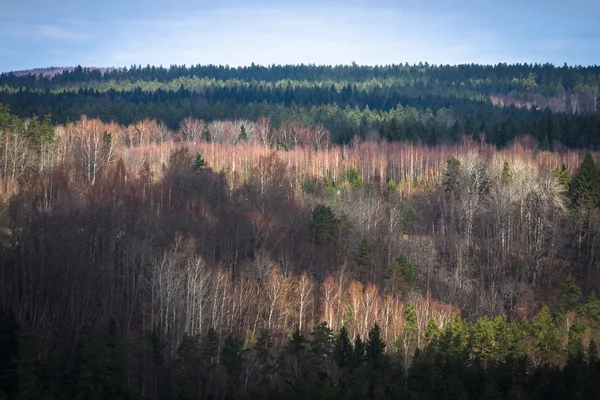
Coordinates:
419 103
419 232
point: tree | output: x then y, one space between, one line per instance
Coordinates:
587 185
9 347
188 365
359 351
432 332
199 163
209 350
545 146
232 358
191 130
375 346
321 350
545 336
342 348
563 176
92 149
450 183
323 224
243 136
410 332
569 295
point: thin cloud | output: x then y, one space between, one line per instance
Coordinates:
60 33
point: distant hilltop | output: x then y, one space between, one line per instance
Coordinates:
51 71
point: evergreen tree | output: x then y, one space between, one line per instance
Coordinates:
569 295
323 224
375 346
592 351
28 369
506 173
209 350
321 350
9 347
199 163
188 366
587 185
563 177
243 136
575 337
232 358
362 256
359 351
297 342
342 348
432 332
545 146
410 333
591 311
545 335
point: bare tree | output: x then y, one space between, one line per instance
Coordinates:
191 130
93 146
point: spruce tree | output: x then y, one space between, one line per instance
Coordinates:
232 358
359 351
563 177
587 187
342 348
569 295
243 135
9 346
375 345
199 163
545 335
188 366
545 146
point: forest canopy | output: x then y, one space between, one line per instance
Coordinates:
293 231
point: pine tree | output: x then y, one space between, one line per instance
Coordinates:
321 350
545 146
199 163
375 345
243 136
9 347
188 366
563 177
591 311
409 339
359 351
587 186
432 332
362 255
569 295
592 351
323 224
232 358
297 342
321 345
545 335
506 173
342 348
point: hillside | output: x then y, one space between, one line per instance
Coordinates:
295 231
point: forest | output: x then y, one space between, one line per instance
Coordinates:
419 232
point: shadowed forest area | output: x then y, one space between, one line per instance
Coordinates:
414 232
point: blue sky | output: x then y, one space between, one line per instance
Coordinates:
118 33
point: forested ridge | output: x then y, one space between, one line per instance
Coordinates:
300 231
419 103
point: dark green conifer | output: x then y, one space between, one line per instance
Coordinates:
587 186
375 345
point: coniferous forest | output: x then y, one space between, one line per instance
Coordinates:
206 232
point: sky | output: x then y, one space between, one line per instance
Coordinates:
121 33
